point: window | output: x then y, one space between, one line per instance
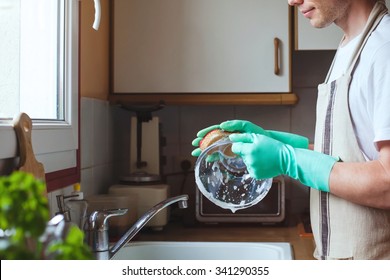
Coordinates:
39 76
32 35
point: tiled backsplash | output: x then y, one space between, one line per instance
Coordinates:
104 147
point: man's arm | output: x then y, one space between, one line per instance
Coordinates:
365 183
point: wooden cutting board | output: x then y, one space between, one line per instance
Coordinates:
28 162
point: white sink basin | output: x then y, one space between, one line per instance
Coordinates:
205 251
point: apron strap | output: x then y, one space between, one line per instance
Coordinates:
375 17
378 12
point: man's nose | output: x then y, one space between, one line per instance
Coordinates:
295 2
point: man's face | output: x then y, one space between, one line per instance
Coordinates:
322 13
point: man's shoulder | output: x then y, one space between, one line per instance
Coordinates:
379 42
384 25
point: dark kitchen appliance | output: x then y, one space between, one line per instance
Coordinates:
270 210
145 165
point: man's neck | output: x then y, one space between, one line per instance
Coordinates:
355 19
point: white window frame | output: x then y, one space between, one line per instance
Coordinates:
55 143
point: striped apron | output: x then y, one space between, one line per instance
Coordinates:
342 229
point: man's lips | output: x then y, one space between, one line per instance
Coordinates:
307 12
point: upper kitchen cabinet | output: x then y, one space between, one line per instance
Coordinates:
309 38
201 51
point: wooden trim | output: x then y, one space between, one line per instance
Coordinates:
291 35
295 29
111 73
302 232
205 98
63 178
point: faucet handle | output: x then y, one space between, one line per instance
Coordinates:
62 209
97 220
96 229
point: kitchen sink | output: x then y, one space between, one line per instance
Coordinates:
172 250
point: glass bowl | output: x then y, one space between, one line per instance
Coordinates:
222 177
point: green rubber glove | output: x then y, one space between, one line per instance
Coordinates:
266 158
199 136
294 140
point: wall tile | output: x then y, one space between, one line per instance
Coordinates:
102 178
100 145
86 132
52 197
195 118
100 132
268 117
310 67
169 118
120 129
87 182
303 115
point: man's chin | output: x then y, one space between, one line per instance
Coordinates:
319 24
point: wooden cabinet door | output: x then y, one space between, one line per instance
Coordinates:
200 46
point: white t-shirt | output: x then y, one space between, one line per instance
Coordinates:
369 94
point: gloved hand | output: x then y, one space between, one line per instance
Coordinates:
266 158
202 133
294 140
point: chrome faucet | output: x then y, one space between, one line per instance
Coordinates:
62 209
96 227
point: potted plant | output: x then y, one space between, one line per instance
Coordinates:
25 229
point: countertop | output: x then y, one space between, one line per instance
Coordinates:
302 243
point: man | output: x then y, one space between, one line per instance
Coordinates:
349 171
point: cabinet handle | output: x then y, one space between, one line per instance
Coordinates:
98 12
276 56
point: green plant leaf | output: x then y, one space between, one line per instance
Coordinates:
72 247
24 211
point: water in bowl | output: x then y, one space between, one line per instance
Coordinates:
222 177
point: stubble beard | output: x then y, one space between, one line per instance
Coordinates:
329 14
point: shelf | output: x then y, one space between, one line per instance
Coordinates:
206 98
